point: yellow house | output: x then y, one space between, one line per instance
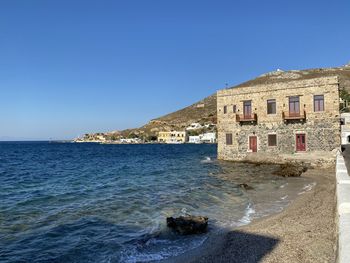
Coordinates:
172 136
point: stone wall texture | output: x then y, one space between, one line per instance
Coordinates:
321 129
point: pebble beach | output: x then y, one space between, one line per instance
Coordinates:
303 232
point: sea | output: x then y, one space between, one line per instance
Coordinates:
87 202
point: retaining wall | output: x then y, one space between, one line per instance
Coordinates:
343 210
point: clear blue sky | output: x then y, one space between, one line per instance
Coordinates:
72 67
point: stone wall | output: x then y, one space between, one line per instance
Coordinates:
322 129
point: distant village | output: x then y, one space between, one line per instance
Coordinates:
195 133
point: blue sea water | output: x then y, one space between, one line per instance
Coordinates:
68 202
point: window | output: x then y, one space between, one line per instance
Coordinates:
234 108
272 139
225 109
318 103
271 106
228 138
247 108
294 106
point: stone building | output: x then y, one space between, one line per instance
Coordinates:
172 136
278 119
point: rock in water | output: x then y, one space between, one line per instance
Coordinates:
187 225
291 170
246 187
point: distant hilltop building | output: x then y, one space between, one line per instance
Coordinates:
194 126
172 136
279 119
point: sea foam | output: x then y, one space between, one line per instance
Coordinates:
246 219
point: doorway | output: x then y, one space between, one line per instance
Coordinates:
253 144
300 142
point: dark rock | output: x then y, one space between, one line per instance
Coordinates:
186 225
246 187
291 170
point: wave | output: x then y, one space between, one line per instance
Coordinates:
283 185
284 197
158 249
246 219
207 159
307 188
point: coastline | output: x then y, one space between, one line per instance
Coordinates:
305 231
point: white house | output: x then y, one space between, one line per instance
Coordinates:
194 139
209 125
130 140
194 126
209 137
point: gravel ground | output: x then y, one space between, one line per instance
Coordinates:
303 232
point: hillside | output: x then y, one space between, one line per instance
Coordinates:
204 111
278 76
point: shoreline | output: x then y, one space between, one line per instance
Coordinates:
305 231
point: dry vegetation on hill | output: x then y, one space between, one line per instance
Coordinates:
343 74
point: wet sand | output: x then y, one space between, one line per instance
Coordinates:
304 232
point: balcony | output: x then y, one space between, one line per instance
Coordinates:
246 118
286 115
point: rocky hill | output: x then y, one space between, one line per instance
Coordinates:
204 111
